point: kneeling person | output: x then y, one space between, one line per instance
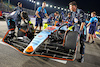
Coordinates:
13 20
53 17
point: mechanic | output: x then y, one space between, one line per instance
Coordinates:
79 19
62 17
15 17
13 20
68 18
19 6
93 24
53 17
41 11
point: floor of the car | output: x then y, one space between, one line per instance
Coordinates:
19 44
54 50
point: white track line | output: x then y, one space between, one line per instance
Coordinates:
60 61
97 37
1 42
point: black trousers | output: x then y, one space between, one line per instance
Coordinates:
82 45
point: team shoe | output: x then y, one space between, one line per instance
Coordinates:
92 42
81 60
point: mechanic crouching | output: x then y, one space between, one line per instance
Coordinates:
13 20
79 19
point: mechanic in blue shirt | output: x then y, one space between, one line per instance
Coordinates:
53 17
41 11
78 18
93 24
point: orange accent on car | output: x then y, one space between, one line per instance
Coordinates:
40 36
7 34
29 49
65 37
50 28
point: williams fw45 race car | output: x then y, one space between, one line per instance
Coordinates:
53 42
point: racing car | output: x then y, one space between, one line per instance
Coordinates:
55 42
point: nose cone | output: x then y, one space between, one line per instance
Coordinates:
29 50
